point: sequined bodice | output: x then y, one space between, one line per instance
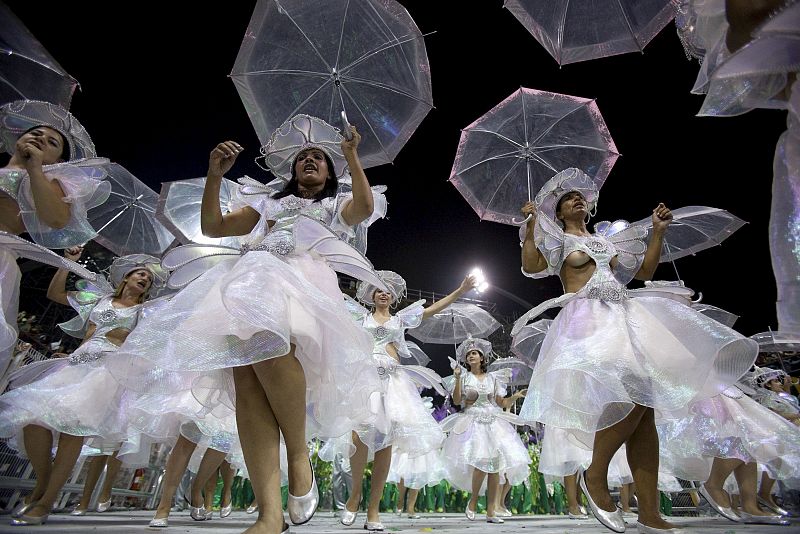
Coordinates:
482 392
107 318
280 238
10 180
382 334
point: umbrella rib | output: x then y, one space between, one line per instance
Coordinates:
550 128
548 148
388 29
501 136
369 124
493 158
543 162
380 85
314 48
341 33
561 28
514 166
378 50
312 95
628 25
524 118
283 71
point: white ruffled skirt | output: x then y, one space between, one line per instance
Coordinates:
483 438
560 456
731 425
9 305
245 310
602 357
416 473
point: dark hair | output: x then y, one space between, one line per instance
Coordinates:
565 196
65 148
293 186
484 365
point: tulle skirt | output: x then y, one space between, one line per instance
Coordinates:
560 456
483 438
731 425
600 358
246 310
80 399
416 473
9 303
400 419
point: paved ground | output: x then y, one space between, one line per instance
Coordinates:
323 523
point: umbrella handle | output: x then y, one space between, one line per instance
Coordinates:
524 221
347 133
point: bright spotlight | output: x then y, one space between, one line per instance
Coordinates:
480 279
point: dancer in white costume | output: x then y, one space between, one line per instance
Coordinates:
482 442
609 361
270 320
403 424
76 398
44 191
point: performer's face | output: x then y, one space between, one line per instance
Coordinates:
474 357
381 298
139 280
49 141
311 167
572 205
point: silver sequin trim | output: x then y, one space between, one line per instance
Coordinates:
107 316
85 357
608 291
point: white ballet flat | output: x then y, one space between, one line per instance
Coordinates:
611 520
225 511
373 527
347 518
159 523
302 509
725 511
644 529
104 506
77 512
494 519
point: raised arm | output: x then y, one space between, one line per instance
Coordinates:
506 402
652 256
57 290
362 205
48 197
468 283
457 389
212 222
533 261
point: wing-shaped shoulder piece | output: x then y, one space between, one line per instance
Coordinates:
549 239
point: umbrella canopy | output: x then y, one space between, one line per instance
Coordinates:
27 70
321 57
178 209
127 222
509 153
418 355
455 324
527 342
777 341
520 372
694 228
580 30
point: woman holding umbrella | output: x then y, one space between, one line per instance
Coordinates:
610 361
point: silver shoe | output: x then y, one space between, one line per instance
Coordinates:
225 511
612 520
577 516
209 513
373 527
198 513
26 520
347 518
77 512
301 509
494 519
104 506
774 507
583 510
21 508
159 523
503 512
644 529
469 513
725 511
751 519
252 509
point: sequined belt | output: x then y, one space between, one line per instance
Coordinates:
608 291
386 369
280 245
85 357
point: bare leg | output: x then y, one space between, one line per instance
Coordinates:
720 471
112 470
380 470
260 438
477 481
765 491
747 480
69 448
505 489
358 462
606 444
401 496
411 503
209 488
625 498
209 465
38 444
642 449
176 465
284 383
227 472
95 469
492 486
571 489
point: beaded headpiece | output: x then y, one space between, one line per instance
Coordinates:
124 265
21 115
564 182
473 343
760 376
394 282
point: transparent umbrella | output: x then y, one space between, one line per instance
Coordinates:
455 324
418 355
527 342
179 205
579 30
127 222
509 153
520 371
27 70
321 57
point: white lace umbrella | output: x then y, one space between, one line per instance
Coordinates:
456 323
520 371
579 30
321 57
27 70
127 222
527 342
507 155
179 205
